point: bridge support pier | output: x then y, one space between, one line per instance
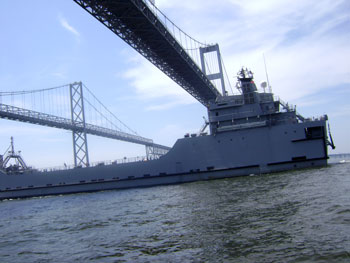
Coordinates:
80 148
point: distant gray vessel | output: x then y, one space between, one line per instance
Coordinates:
249 133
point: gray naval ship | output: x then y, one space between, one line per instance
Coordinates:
249 133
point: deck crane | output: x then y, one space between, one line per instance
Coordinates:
10 154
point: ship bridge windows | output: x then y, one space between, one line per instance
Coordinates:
249 98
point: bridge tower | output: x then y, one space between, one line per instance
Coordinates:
213 76
80 148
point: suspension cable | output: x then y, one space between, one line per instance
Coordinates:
228 79
174 25
23 92
134 132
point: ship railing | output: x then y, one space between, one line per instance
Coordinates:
320 118
292 120
120 161
94 164
288 107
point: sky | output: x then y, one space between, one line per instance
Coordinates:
50 43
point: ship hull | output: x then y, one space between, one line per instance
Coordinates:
229 154
154 180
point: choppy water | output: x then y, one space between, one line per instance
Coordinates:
300 216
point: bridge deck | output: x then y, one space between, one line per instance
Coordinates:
34 117
137 25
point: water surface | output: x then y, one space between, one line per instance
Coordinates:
300 216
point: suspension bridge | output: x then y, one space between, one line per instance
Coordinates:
193 65
67 108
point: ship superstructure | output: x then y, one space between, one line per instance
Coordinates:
250 109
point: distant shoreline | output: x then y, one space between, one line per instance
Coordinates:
340 155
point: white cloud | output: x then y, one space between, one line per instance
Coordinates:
170 133
342 111
151 84
308 67
311 102
60 75
168 105
64 23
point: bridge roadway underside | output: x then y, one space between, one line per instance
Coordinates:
137 25
33 117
